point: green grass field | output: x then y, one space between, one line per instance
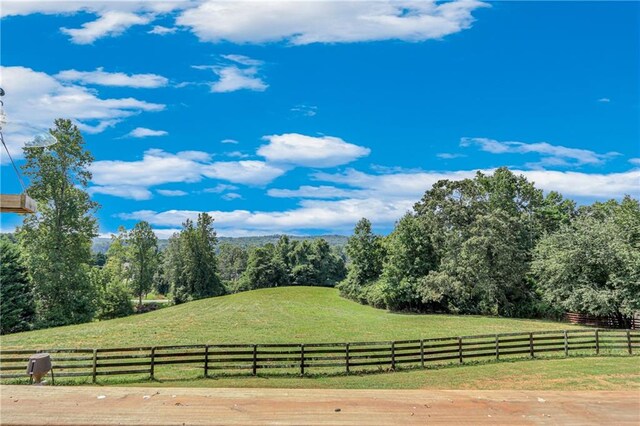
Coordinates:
277 315
580 373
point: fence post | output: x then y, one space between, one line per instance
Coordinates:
566 344
497 347
597 342
346 357
206 361
153 361
531 344
95 365
393 355
422 353
460 349
302 359
254 365
629 342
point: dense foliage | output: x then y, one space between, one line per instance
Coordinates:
592 265
496 245
17 306
191 264
312 263
56 242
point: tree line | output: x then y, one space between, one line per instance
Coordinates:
496 245
491 245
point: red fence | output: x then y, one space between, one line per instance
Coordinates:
324 358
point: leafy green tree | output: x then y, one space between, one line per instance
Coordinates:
192 263
160 280
262 270
232 261
143 259
593 264
115 295
17 307
366 257
410 256
56 241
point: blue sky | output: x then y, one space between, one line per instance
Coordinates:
302 117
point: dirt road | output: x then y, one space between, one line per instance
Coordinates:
167 406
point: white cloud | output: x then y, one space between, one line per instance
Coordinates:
160 30
239 73
302 22
381 198
35 99
124 191
220 188
604 100
635 161
246 172
232 196
552 155
143 132
109 24
172 192
309 151
449 156
229 141
156 167
307 191
118 79
305 110
236 154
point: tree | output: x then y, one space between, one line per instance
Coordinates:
115 295
232 261
263 270
593 264
57 240
366 256
410 256
192 263
17 307
143 259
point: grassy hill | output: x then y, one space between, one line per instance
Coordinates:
289 314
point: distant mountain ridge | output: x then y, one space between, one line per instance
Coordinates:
101 245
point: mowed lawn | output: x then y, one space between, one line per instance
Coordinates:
276 315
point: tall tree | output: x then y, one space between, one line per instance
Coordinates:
194 274
366 255
232 261
17 307
593 264
57 240
143 259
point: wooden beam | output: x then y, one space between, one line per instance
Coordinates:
17 203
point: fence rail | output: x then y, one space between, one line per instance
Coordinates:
603 322
216 359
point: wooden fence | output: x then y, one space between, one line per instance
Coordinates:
326 358
602 322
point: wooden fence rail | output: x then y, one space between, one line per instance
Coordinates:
328 358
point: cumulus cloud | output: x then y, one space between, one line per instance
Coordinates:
552 155
308 191
232 196
635 161
309 151
143 132
109 24
123 191
172 192
449 155
131 179
160 30
118 79
246 172
238 73
35 99
301 22
229 141
220 188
